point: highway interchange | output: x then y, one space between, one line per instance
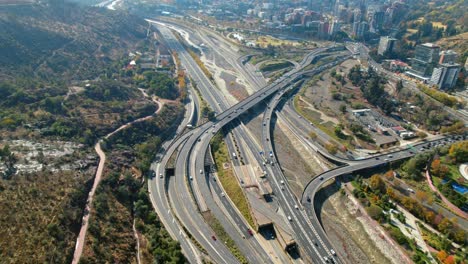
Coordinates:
180 199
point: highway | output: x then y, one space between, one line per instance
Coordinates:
223 119
314 186
305 233
190 167
237 228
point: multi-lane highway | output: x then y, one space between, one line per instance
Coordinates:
223 118
197 174
191 178
314 186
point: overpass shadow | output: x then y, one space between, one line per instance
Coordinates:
324 193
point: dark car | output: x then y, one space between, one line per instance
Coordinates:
250 232
213 237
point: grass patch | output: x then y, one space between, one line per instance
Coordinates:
228 179
224 237
454 172
275 65
448 100
314 117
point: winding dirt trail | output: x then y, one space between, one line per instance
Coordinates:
102 159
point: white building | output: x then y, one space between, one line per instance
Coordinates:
445 76
386 44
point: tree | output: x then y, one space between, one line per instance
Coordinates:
429 216
343 108
459 151
445 226
375 212
421 134
399 86
312 135
331 148
438 169
376 183
339 132
391 193
422 196
415 165
9 160
442 255
450 260
459 235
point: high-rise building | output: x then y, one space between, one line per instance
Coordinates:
377 20
386 44
357 15
323 29
425 57
335 27
360 29
448 56
445 76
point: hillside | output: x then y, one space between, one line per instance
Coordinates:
63 85
458 43
63 40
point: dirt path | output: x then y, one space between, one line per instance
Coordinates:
325 118
84 227
102 159
135 233
452 207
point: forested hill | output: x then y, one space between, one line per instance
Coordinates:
59 39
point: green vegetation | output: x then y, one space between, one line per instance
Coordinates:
442 245
228 179
200 63
122 198
327 127
376 192
49 50
372 87
31 106
413 107
43 41
224 237
445 167
159 84
8 159
207 112
442 97
41 216
275 65
359 131
433 21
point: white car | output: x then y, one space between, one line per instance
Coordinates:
289 218
295 206
282 182
201 171
333 252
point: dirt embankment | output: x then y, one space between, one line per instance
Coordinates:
356 240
